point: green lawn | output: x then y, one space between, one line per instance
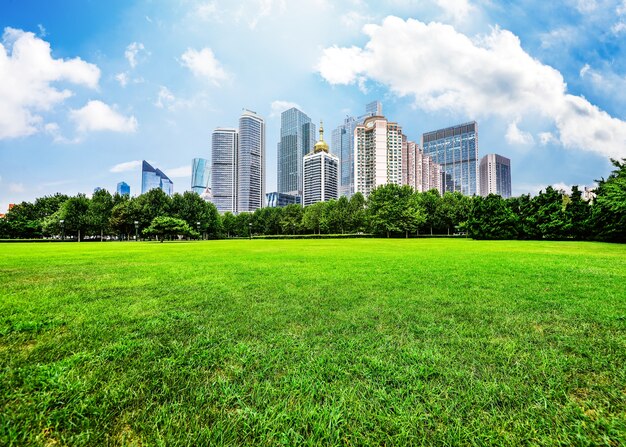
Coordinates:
319 342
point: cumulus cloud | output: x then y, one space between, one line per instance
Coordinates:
204 64
514 135
546 138
98 116
27 71
126 166
277 107
456 10
491 75
122 78
206 11
132 50
165 99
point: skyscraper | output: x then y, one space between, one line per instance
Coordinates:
418 170
224 144
495 175
250 162
456 150
342 145
321 182
152 178
123 189
200 175
378 154
297 137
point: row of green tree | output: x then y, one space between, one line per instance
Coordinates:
390 210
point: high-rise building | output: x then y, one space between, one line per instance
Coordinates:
250 162
495 175
224 144
418 170
378 154
123 189
279 199
200 175
342 145
152 178
321 169
297 137
455 149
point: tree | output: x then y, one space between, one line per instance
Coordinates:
453 210
550 214
229 222
99 212
154 203
356 218
193 209
430 202
341 214
609 206
312 217
491 218
74 213
412 213
124 215
389 207
292 219
577 214
169 227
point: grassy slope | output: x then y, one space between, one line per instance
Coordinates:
313 342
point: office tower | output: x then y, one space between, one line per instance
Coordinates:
378 154
250 162
418 170
200 175
224 144
279 199
123 189
455 149
495 175
152 178
297 137
342 145
321 169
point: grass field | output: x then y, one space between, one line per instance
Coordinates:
322 342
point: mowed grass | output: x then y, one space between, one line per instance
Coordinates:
320 342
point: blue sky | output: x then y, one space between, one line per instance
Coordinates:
89 88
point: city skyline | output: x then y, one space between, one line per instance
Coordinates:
112 91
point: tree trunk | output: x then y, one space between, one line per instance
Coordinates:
431 230
448 231
101 235
78 235
406 234
387 233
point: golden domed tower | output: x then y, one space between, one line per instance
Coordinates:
321 145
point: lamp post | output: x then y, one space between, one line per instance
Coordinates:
136 231
250 229
198 227
62 222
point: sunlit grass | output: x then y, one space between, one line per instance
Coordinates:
319 342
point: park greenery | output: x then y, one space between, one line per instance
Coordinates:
390 210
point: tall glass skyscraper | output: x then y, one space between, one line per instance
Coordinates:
224 144
123 189
455 149
251 162
342 145
297 138
200 175
495 175
152 178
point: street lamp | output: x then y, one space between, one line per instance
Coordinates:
198 227
136 230
250 228
62 222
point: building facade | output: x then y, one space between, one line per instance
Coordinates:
455 149
279 199
321 174
152 178
495 175
378 154
200 175
297 137
224 144
418 170
123 189
342 145
251 162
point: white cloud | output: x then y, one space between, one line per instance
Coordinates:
54 131
586 6
618 28
182 172
267 8
98 116
547 138
277 107
456 10
126 166
42 30
206 11
203 64
514 135
165 99
16 187
355 19
27 71
122 78
492 75
131 53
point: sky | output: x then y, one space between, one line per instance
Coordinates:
89 88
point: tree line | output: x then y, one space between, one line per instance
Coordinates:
390 210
